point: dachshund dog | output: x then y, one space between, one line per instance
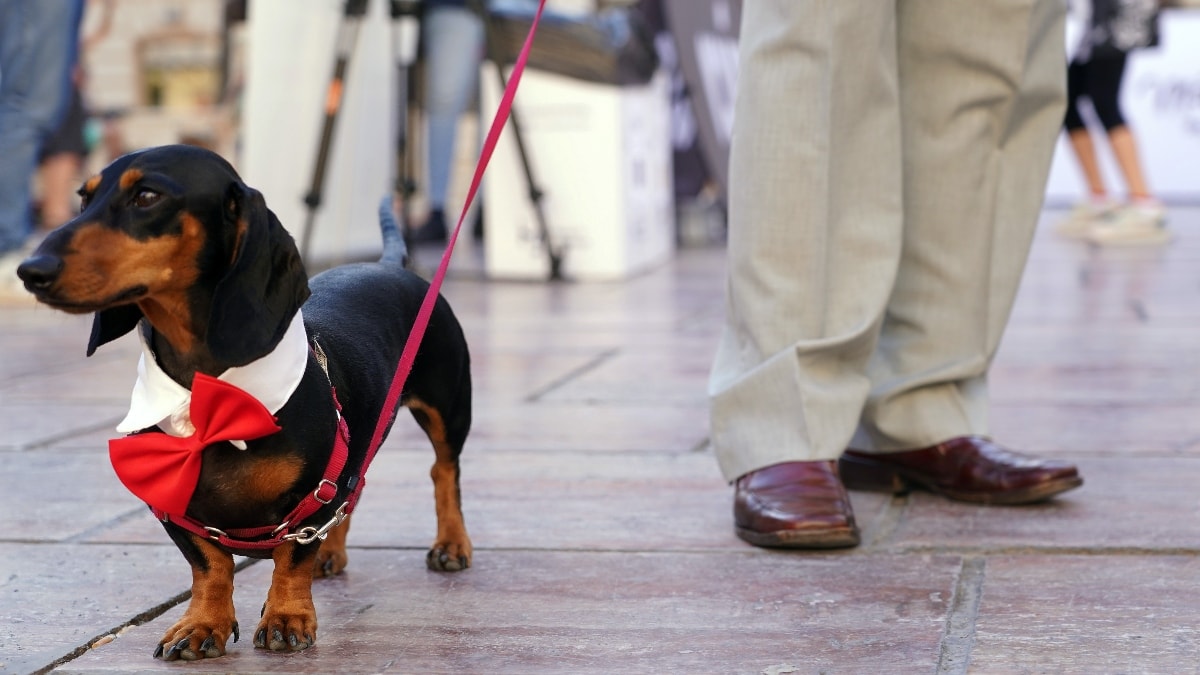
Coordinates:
172 243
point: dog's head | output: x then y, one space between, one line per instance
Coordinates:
172 234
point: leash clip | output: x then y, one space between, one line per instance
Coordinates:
309 534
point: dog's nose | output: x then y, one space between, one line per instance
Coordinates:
40 271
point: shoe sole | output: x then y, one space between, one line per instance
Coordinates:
841 537
863 474
1157 240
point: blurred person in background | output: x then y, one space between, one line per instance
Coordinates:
38 50
64 151
1113 28
452 37
60 163
887 170
453 43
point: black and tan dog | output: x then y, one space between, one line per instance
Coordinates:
171 240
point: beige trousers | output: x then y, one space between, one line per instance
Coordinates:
888 165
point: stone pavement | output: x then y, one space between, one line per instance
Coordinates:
602 528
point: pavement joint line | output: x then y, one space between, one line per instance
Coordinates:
954 653
115 521
592 364
962 551
1048 550
143 618
43 443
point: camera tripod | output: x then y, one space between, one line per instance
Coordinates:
405 15
405 18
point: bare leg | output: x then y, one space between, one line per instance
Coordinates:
1125 149
60 175
1085 153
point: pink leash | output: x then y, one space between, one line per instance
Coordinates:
435 284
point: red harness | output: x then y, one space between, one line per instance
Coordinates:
291 529
267 536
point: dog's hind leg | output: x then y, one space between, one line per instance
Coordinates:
332 557
451 551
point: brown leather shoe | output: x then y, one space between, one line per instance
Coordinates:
794 505
969 469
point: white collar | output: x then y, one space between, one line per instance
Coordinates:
158 400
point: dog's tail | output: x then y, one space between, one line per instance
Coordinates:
395 251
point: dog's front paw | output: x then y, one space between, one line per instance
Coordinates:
284 630
449 556
193 638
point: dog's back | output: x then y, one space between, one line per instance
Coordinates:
361 315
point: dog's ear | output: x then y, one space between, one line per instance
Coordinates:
110 324
254 302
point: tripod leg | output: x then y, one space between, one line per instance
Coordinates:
406 32
553 253
346 41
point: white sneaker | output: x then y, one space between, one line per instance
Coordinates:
1083 217
1133 225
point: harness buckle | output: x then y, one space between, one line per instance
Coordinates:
327 487
214 533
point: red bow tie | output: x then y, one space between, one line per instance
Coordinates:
162 470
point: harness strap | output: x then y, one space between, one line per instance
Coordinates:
247 538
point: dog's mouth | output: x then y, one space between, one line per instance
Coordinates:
48 296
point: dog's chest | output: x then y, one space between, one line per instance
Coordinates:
240 488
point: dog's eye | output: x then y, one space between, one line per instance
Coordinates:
145 198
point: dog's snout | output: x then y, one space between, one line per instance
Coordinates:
40 271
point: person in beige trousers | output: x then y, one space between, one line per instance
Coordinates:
887 168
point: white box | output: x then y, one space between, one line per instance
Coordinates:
601 154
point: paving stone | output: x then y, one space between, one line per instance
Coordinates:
1099 429
25 426
524 612
106 379
1089 614
55 598
1123 504
58 496
555 426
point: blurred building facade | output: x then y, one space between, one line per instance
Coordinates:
155 75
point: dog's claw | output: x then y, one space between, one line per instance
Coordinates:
158 651
440 561
260 638
176 650
236 635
